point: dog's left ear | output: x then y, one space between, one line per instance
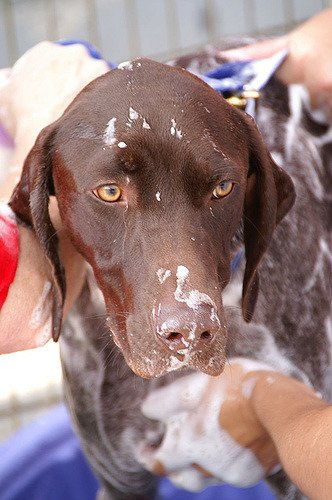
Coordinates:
30 201
270 194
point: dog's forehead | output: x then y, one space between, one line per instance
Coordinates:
148 112
148 89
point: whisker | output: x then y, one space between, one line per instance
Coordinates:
254 225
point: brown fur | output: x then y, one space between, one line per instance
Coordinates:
125 248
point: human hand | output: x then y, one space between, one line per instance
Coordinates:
211 431
309 61
40 86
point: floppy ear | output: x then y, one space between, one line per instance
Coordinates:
269 196
30 201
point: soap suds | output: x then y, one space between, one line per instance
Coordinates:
109 134
193 298
145 124
126 65
212 447
45 334
42 310
163 274
175 131
133 115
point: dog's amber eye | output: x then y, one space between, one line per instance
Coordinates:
223 189
109 192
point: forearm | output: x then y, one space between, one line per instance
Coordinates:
37 91
300 424
25 315
308 62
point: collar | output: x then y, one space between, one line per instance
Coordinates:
240 82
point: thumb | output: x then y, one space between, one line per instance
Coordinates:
258 50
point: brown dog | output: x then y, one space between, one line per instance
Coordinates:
161 252
159 183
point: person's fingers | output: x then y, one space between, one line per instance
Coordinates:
298 67
259 50
176 451
41 84
4 75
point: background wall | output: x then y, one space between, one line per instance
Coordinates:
123 29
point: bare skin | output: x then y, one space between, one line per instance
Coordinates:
309 61
39 88
300 425
279 420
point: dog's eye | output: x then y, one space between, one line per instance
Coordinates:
223 189
109 192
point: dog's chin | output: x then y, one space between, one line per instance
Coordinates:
154 368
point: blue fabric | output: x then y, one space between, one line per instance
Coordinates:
236 261
43 461
91 49
236 76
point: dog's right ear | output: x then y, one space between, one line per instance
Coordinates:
30 201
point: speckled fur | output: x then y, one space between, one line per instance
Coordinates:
290 324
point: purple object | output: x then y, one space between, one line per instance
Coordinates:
6 140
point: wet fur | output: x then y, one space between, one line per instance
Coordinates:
289 327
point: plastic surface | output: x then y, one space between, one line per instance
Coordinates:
43 461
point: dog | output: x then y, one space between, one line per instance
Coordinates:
161 184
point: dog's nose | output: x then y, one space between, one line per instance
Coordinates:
181 329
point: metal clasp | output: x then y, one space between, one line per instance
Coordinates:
240 100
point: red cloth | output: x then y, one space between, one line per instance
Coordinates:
9 249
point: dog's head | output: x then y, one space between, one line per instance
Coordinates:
153 172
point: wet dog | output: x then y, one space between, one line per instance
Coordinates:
160 184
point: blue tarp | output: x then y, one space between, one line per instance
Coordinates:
43 461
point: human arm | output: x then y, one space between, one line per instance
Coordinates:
38 89
309 61
238 427
300 425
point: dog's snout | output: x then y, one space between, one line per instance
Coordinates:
181 329
186 335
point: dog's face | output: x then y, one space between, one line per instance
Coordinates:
153 172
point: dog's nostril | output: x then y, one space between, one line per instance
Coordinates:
206 335
174 337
